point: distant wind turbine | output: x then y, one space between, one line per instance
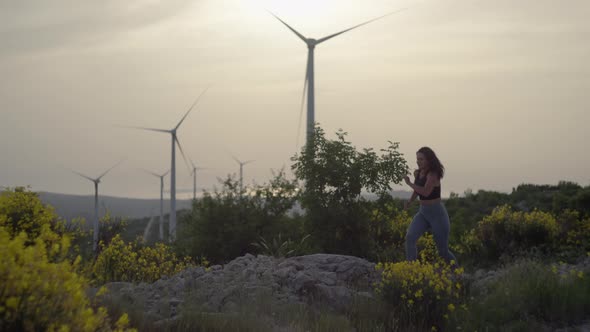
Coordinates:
194 174
175 141
309 73
96 182
161 177
242 163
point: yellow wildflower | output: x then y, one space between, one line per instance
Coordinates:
418 294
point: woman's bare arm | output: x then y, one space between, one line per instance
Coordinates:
431 182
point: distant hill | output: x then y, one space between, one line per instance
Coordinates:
76 206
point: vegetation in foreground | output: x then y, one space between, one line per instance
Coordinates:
47 269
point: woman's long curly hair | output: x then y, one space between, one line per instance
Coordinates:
434 165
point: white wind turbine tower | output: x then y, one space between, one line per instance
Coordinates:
172 132
242 163
309 73
96 182
161 177
194 174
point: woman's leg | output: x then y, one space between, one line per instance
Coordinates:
441 228
418 226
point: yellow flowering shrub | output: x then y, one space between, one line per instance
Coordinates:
574 236
421 293
509 232
22 211
37 294
391 240
388 230
133 262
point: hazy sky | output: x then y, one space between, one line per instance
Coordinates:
499 89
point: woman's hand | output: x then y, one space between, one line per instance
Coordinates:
407 179
406 205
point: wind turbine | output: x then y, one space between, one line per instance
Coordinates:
96 182
309 73
172 132
194 174
242 163
161 177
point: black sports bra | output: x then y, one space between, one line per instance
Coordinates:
435 191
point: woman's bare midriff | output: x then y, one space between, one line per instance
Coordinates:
429 201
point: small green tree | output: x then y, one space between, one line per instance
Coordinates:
335 175
223 225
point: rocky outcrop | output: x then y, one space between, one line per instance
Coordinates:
331 281
320 281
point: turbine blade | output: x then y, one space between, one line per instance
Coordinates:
192 163
302 104
182 153
287 25
248 161
150 172
84 176
108 170
321 40
236 159
144 128
191 108
163 175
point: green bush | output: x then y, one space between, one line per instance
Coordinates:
508 232
279 247
388 226
38 294
223 225
574 235
421 294
133 262
21 210
527 294
41 288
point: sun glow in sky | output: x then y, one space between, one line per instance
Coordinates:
305 10
497 88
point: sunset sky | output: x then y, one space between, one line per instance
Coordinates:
499 89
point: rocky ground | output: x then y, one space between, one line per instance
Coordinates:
333 282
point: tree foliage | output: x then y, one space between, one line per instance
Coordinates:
335 174
223 224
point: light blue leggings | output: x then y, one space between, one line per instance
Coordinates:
436 219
